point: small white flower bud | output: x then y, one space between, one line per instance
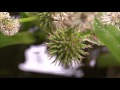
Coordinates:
111 18
4 15
9 26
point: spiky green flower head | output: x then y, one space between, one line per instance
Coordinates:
67 45
45 20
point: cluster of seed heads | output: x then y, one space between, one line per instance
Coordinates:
110 18
8 25
81 21
65 42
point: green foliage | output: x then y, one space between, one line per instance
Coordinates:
107 60
20 38
110 36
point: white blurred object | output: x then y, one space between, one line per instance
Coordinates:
38 61
92 63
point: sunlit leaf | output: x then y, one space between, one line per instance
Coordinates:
20 38
107 60
110 36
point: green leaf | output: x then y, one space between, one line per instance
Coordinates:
107 60
20 38
22 14
28 13
28 19
110 36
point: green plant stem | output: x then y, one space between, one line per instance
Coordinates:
27 13
28 19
